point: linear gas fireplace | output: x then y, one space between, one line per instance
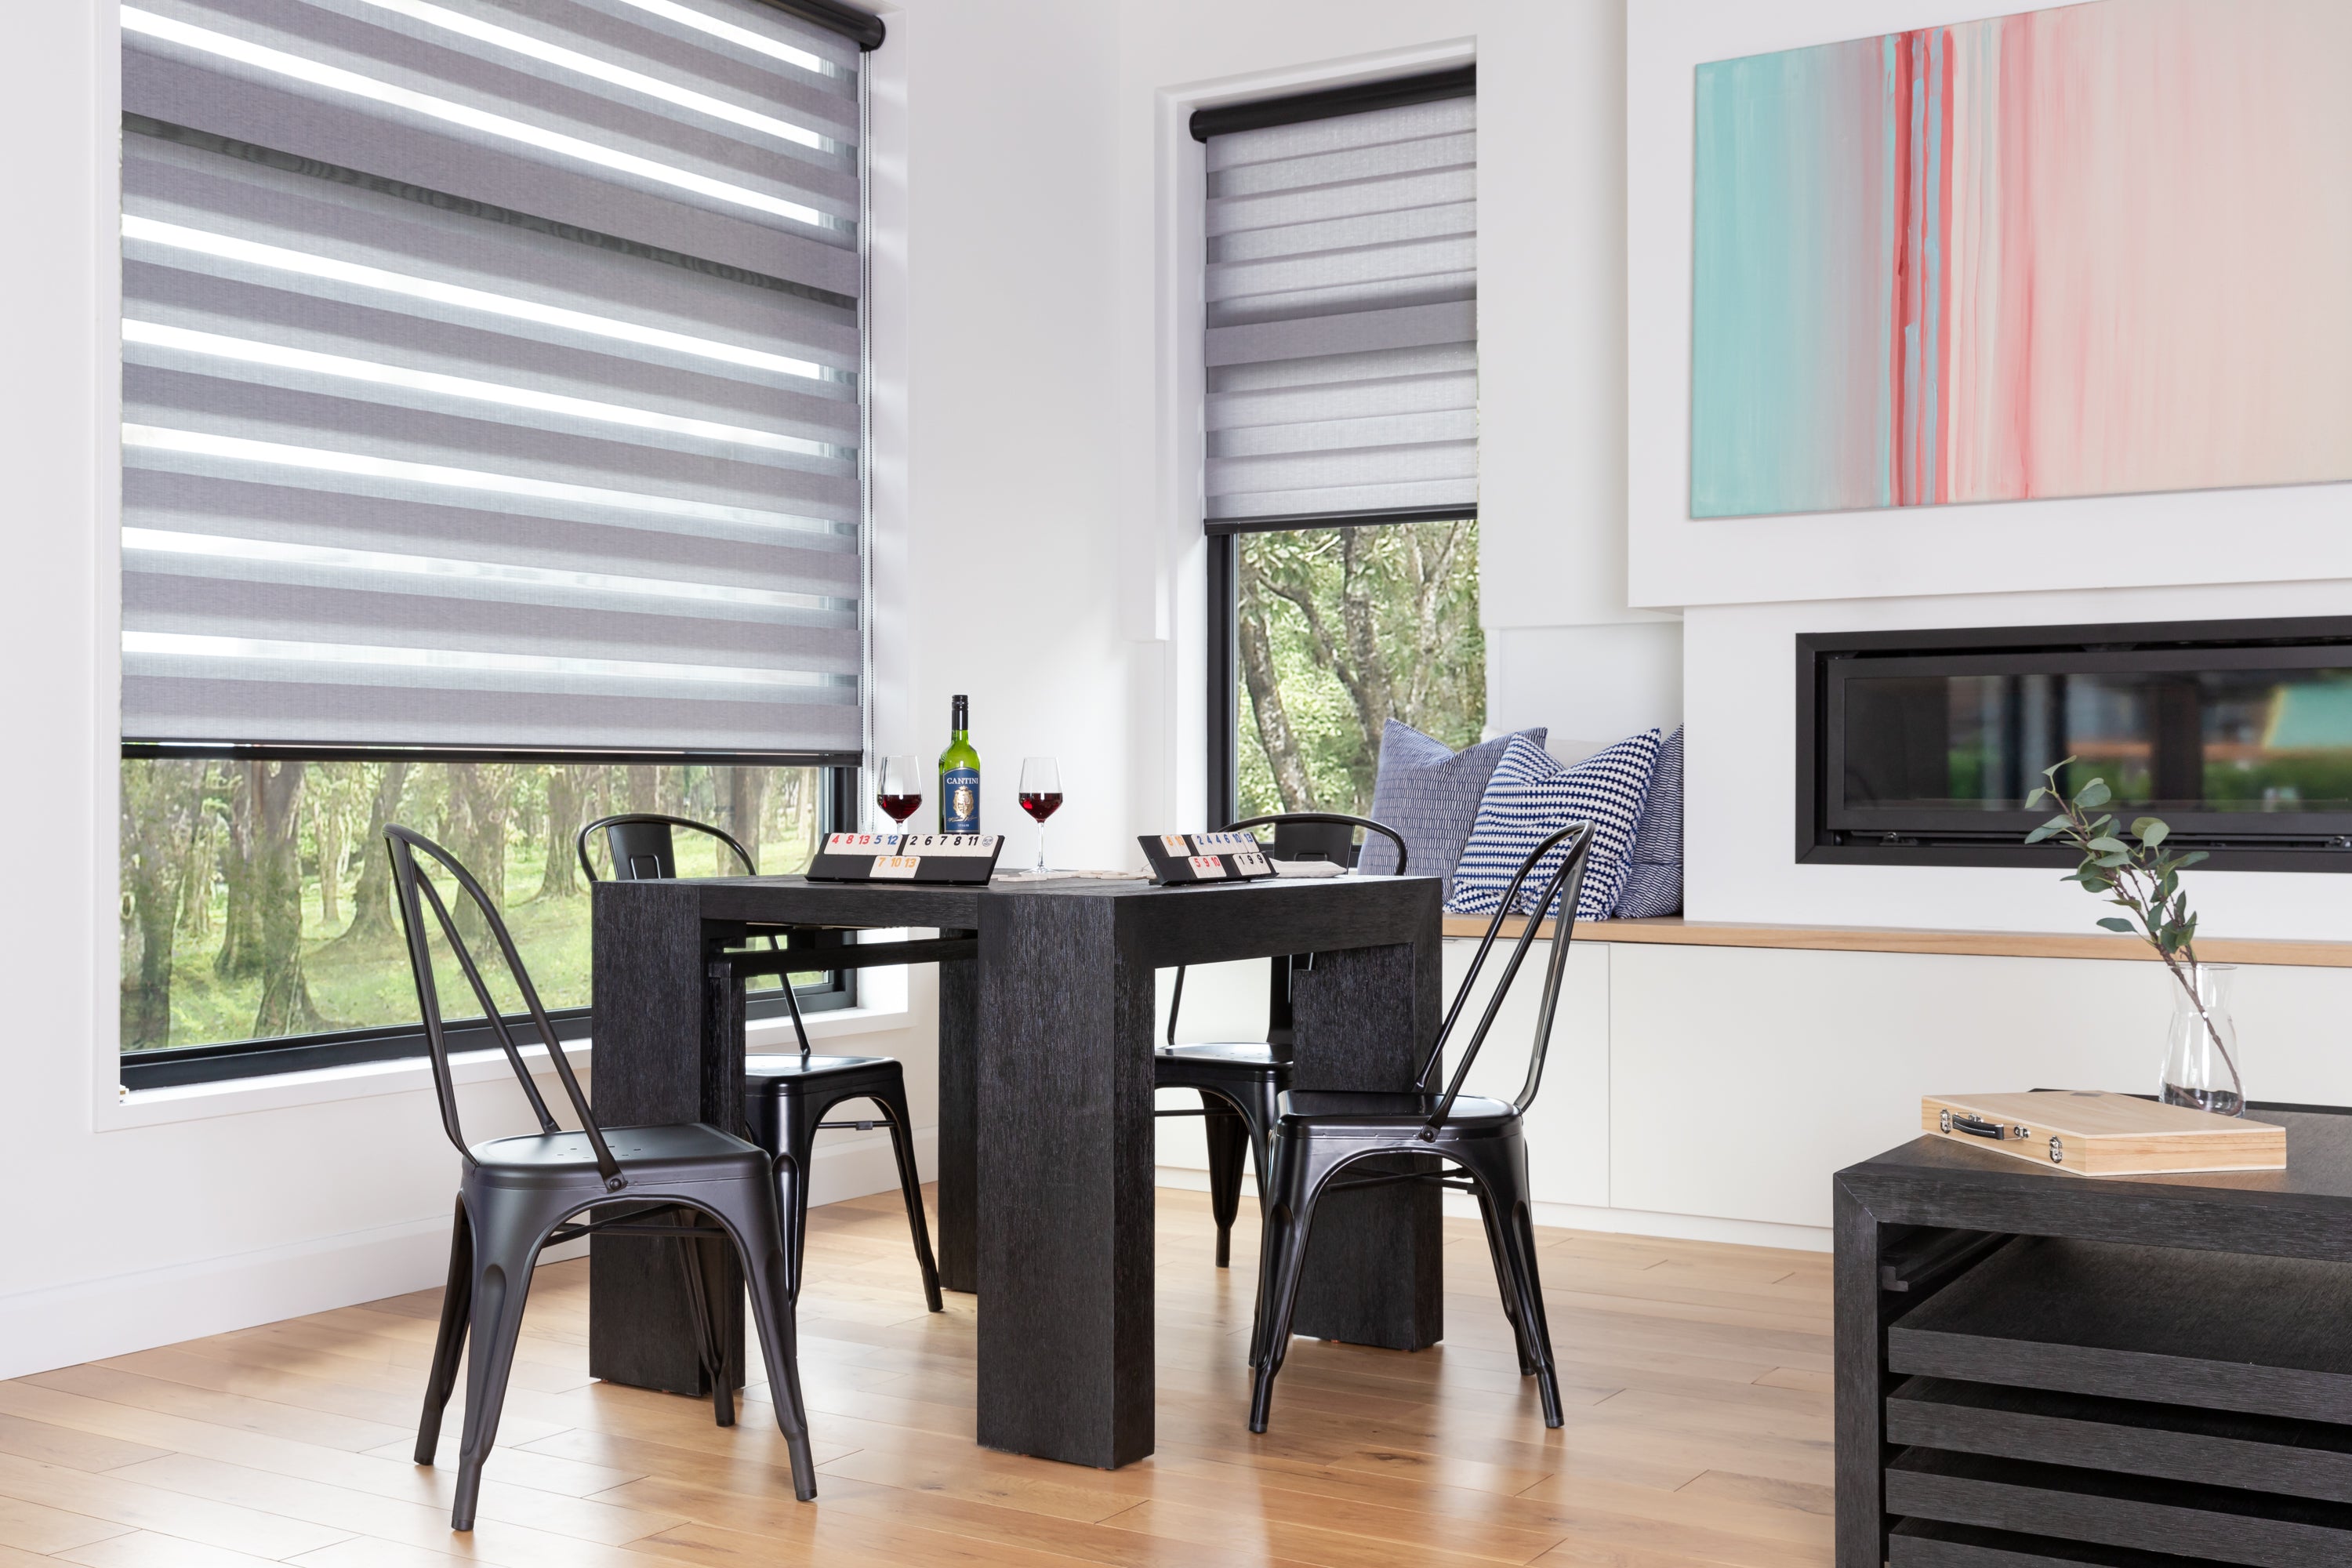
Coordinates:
1919 748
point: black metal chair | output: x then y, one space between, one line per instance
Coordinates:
785 1098
1239 1082
1320 1133
518 1196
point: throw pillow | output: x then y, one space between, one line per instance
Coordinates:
1531 798
1653 882
1429 792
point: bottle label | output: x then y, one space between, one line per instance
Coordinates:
959 800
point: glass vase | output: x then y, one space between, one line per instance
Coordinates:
2202 1061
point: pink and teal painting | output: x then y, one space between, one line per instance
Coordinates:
2093 251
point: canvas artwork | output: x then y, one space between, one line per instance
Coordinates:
2091 250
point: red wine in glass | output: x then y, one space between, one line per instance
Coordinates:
899 789
1041 796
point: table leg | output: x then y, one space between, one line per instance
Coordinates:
669 1048
1375 1270
1859 1358
1064 1096
959 1189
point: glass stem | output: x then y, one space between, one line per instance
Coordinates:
1041 847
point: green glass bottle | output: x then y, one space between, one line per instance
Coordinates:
960 775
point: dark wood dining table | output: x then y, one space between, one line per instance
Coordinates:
1045 1159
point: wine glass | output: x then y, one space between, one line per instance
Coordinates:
1041 796
899 788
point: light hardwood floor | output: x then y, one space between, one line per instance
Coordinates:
1695 1377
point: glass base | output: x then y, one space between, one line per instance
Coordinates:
2220 1101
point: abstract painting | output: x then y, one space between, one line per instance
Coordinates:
2093 251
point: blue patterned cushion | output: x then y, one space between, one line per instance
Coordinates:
1531 798
1653 882
1430 793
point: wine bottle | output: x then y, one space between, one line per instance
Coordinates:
960 775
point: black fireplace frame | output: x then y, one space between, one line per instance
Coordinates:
2308 841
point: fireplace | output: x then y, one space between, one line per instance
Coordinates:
1919 748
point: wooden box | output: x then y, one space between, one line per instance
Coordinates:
2095 1134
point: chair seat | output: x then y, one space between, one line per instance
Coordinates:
1338 1112
689 1152
1247 1054
792 1064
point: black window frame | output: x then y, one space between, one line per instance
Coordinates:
174 1066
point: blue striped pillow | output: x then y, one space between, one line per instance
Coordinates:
1653 880
1531 798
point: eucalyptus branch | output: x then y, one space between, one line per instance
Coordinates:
2140 879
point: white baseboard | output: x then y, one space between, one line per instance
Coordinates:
1580 1216
89 1319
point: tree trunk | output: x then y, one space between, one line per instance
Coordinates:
201 866
642 785
240 949
286 1006
374 924
478 808
747 800
327 840
1273 732
160 801
561 876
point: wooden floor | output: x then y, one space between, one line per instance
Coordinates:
1695 1377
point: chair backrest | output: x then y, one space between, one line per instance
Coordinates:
1564 884
644 844
1320 835
416 893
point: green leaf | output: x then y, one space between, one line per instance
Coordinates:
2115 922
2193 856
2034 799
2096 793
2039 834
2107 844
2151 831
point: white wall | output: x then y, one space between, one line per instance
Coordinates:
1751 585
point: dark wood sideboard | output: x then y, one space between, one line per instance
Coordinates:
2038 1370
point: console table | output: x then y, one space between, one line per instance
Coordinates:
1045 1112
2037 1369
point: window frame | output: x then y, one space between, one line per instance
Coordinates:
1223 665
174 1066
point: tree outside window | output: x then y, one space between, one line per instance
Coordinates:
1340 629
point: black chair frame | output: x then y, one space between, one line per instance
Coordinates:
784 1111
1239 1084
1319 1135
518 1197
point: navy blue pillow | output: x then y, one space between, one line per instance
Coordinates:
1653 882
1531 798
1430 793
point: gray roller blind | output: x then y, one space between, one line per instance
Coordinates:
1343 316
490 374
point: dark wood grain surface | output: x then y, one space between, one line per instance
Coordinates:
2223 1289
1045 1130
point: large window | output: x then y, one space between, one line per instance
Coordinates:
1336 631
259 928
1341 461
493 400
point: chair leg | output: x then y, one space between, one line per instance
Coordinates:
800 1115
1499 1170
1497 1253
506 1246
450 1344
1289 1219
754 1215
893 1101
688 1252
1229 1142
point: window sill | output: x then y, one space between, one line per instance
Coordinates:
238 1097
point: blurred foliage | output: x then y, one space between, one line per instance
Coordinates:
1339 630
